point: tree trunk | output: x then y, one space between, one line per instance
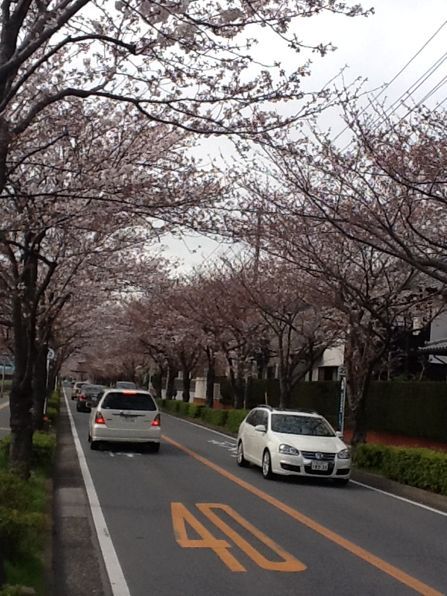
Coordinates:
186 393
236 386
360 430
170 382
356 393
21 402
210 380
21 395
39 385
210 377
283 372
5 138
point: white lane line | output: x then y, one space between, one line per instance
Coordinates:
111 561
405 500
377 490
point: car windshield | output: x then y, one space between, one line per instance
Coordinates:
301 425
132 401
92 389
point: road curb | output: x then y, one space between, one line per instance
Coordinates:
418 495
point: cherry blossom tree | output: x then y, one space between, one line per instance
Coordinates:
297 326
386 188
49 243
188 64
371 292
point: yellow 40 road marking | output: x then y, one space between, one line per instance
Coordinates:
182 516
358 551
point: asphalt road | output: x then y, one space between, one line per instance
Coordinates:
188 521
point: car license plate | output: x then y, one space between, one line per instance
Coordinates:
319 465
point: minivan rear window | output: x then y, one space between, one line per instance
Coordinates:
124 401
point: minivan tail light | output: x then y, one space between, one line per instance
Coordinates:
99 418
156 421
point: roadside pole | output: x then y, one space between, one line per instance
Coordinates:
341 409
50 356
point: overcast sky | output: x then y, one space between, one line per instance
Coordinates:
375 48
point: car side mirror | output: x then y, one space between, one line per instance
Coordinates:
260 428
339 434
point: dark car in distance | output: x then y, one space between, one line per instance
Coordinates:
88 397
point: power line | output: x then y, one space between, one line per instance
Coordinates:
441 83
421 80
395 76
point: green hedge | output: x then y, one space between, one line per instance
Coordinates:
234 419
214 417
44 448
195 410
24 526
421 468
228 419
54 400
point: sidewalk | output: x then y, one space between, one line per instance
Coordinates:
78 568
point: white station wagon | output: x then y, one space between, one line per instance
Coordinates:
293 442
125 415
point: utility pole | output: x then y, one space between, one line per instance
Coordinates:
257 241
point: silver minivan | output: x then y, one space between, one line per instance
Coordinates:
125 416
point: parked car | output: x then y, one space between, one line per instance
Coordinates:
125 385
88 397
77 389
125 415
293 442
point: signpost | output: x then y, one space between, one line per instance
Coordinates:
50 356
341 410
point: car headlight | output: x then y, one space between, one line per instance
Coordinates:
344 453
288 449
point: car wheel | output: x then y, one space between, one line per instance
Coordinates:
241 461
94 445
342 481
78 409
267 465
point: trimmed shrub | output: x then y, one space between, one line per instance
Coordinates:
183 408
214 417
44 448
170 405
195 410
234 419
369 456
20 524
421 468
52 414
54 400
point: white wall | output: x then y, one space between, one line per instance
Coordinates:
438 330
